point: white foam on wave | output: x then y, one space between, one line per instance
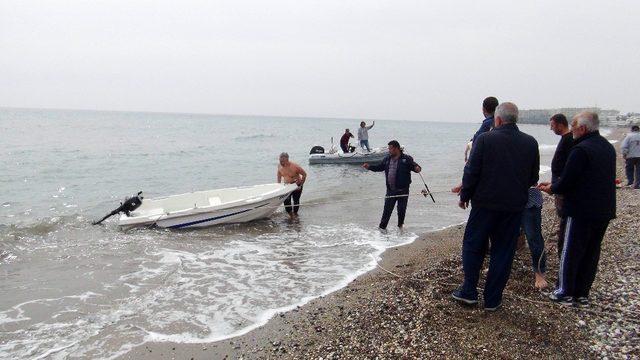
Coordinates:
197 293
379 243
547 148
544 169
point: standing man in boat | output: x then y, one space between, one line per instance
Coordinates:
291 173
397 167
363 135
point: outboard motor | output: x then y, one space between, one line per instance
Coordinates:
317 150
129 204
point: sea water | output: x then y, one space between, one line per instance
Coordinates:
70 289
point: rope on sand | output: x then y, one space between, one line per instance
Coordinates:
510 294
411 278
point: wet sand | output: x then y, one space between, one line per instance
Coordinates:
403 309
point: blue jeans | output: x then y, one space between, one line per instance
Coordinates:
632 168
365 144
502 228
532 225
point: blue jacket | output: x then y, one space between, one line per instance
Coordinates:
588 179
503 165
487 124
403 174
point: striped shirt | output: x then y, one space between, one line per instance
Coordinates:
393 170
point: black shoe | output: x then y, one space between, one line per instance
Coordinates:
562 300
493 308
457 296
582 301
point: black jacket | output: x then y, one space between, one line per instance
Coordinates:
588 179
561 155
403 173
502 166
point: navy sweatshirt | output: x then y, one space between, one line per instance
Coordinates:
588 179
503 165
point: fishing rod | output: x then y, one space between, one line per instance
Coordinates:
427 189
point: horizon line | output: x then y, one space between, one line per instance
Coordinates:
221 114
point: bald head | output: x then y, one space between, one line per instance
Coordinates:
506 113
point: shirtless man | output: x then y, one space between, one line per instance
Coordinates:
291 173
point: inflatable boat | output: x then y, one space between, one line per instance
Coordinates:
317 155
208 208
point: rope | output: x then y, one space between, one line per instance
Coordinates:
510 294
411 278
368 199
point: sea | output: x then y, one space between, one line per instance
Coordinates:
74 290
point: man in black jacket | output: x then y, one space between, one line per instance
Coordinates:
503 165
588 185
397 167
560 126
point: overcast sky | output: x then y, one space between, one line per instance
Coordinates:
415 60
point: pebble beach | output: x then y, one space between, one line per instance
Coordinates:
403 309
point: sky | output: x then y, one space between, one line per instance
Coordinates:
401 59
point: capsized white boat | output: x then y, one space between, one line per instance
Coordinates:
208 208
359 156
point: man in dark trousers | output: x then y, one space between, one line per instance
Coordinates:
560 126
503 165
588 186
344 141
631 154
397 167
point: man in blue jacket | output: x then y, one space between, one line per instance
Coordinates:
488 108
503 165
588 185
397 167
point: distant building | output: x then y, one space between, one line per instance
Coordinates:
541 116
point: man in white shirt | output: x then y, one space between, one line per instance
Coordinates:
363 135
631 154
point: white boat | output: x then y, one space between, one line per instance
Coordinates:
318 156
208 208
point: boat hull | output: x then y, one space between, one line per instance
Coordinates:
205 217
374 157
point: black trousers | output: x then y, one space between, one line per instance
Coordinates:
295 196
501 230
580 256
390 203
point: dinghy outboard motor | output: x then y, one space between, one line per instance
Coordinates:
317 150
129 204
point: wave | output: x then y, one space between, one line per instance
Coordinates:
45 226
377 240
544 169
547 147
255 137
